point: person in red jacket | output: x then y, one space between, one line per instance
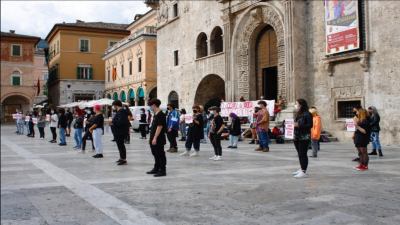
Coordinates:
315 131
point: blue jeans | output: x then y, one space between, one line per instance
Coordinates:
78 137
376 143
263 138
62 135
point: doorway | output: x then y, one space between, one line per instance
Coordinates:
270 82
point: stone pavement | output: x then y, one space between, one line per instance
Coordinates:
43 183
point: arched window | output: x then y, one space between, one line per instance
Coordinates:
201 45
123 96
131 96
115 96
216 45
109 96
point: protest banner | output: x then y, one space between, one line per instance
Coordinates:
244 109
289 128
27 118
350 126
34 120
48 117
188 118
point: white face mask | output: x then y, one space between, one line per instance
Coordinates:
296 107
52 112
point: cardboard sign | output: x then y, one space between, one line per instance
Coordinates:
350 126
289 128
27 118
34 120
188 118
244 109
48 117
138 117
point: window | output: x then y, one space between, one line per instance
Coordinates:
84 45
111 43
130 67
16 50
176 58
201 45
175 10
58 46
16 80
84 72
345 108
108 75
140 64
122 70
216 45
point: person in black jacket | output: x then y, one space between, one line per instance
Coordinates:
130 118
362 137
375 128
70 118
195 133
143 123
78 127
121 126
62 126
88 123
302 135
234 130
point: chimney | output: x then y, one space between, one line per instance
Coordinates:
12 31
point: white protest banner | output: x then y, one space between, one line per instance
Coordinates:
27 118
188 118
19 116
350 126
244 109
48 117
34 120
289 128
138 117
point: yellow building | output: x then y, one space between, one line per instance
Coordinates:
76 68
130 64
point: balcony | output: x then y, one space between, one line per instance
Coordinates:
148 30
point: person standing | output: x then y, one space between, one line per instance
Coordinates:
253 125
234 130
315 131
70 118
121 125
303 123
362 137
97 131
62 126
53 125
41 124
78 129
182 125
375 128
157 139
262 126
20 123
130 118
194 134
143 123
216 128
31 125
173 127
86 125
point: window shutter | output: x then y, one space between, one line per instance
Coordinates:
78 75
90 73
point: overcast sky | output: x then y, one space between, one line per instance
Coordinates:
38 17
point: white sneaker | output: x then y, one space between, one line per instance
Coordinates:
194 154
186 153
212 158
301 174
295 173
218 158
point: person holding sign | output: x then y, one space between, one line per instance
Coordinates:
216 128
262 126
302 135
362 137
195 132
173 127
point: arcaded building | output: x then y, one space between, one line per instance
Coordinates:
334 54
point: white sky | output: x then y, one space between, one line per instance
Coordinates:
38 17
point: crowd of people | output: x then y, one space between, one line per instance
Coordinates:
200 127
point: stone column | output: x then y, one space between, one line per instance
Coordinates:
229 82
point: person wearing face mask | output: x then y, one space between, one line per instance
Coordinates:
173 127
302 135
97 131
157 139
262 126
53 125
62 127
216 128
355 109
87 124
121 125
195 133
41 124
78 129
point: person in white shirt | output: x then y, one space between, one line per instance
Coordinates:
53 125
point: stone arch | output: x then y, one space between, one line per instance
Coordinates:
123 96
211 89
201 45
153 93
254 20
115 96
109 96
11 102
173 98
131 97
216 40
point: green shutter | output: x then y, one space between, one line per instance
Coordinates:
78 75
90 73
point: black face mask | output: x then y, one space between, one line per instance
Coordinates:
194 111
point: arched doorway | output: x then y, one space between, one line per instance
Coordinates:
13 103
266 64
131 97
210 91
173 98
123 96
115 97
153 93
140 95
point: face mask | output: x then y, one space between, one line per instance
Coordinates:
296 107
212 113
52 112
194 111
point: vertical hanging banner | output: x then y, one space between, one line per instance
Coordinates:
341 26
